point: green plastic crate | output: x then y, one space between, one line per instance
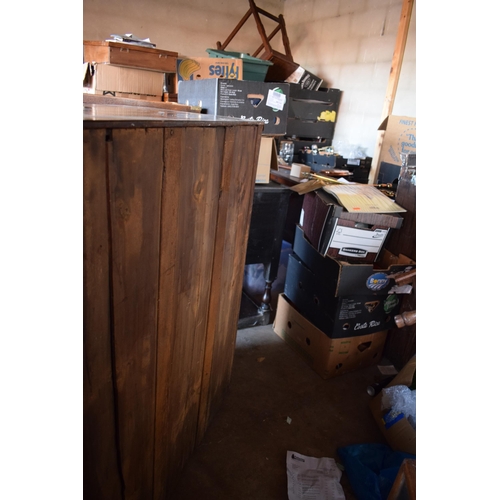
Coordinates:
254 69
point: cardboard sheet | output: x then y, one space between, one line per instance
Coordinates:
363 198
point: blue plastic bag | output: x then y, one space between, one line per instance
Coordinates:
371 469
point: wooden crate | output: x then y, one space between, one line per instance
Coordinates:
129 55
165 232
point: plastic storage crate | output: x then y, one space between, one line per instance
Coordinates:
254 69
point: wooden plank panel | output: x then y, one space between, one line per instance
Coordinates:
190 197
101 473
135 172
235 207
392 84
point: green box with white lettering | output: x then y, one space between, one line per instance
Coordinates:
249 100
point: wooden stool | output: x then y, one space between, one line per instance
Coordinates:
283 64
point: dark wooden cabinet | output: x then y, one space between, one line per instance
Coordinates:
167 205
401 343
269 210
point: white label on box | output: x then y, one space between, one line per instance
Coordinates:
354 242
275 100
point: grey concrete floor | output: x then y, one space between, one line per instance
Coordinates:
243 453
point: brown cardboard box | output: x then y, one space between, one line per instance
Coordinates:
400 137
401 436
102 78
327 357
268 160
198 68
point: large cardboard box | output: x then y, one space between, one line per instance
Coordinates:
327 357
338 316
400 137
120 81
268 160
249 100
401 436
198 68
349 236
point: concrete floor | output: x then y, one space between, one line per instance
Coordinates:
243 453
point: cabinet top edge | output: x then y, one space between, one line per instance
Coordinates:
98 115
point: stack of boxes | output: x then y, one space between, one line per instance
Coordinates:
237 97
130 71
340 295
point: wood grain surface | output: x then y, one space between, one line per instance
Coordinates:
166 218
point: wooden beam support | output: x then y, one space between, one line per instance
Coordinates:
392 85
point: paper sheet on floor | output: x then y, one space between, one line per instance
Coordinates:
312 478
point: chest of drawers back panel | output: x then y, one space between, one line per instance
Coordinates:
166 216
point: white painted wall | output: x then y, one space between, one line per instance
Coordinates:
348 43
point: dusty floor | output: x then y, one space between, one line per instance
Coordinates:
243 453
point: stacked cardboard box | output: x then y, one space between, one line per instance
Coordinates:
350 236
130 71
245 99
201 68
336 313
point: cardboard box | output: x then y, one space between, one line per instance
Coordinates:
197 68
249 100
254 69
298 170
327 357
343 278
338 316
343 235
132 56
102 78
268 159
401 436
400 137
305 79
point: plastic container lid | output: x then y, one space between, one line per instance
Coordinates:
238 55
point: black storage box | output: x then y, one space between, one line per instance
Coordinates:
344 278
343 299
317 162
305 109
337 317
244 99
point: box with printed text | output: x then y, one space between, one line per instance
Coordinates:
199 68
399 137
249 100
327 357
